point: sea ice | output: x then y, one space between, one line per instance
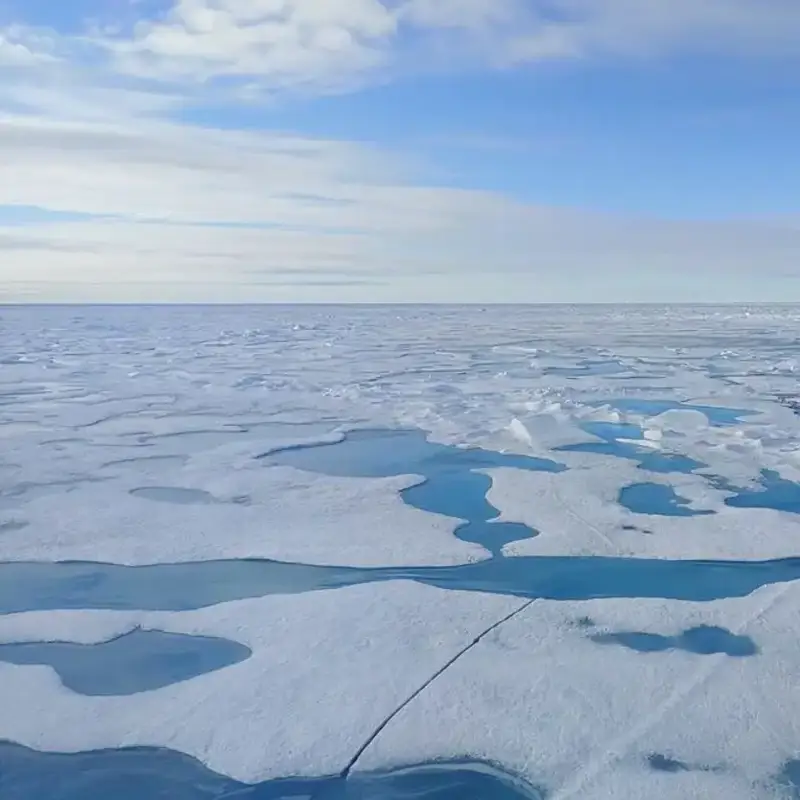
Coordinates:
133 435
582 718
288 514
326 669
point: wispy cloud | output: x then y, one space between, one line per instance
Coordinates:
307 45
123 201
143 208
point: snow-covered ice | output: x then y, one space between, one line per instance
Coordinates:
585 718
323 674
551 551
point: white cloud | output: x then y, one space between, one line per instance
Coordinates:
569 258
285 42
328 44
653 27
323 220
162 170
200 214
324 45
21 47
472 15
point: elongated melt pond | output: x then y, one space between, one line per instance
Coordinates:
142 773
29 586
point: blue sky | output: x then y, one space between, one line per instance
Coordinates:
400 150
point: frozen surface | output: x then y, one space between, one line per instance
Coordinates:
336 545
323 674
222 508
586 717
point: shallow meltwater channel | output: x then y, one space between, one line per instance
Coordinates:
29 586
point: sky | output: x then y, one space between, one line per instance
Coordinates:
343 151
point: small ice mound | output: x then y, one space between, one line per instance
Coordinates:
715 416
650 440
679 420
787 365
652 435
139 661
518 430
544 428
599 413
174 494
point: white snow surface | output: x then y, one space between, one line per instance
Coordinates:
323 675
583 718
97 402
281 513
579 513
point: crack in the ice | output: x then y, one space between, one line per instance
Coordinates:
420 689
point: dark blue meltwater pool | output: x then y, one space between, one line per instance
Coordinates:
135 662
156 774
